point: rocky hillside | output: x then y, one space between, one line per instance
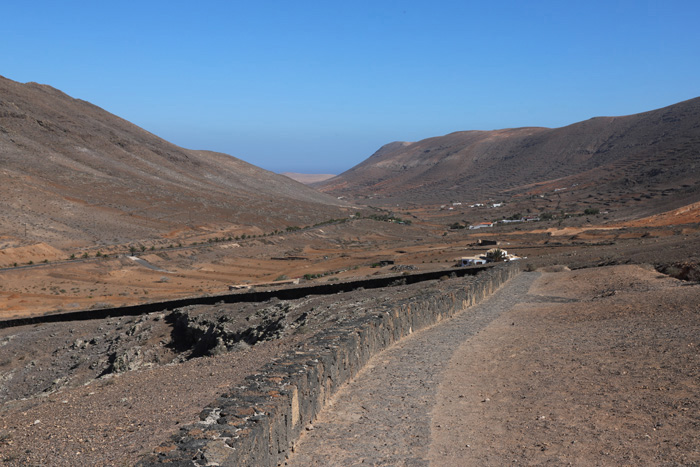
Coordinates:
74 174
607 159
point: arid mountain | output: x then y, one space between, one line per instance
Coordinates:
605 159
308 179
74 174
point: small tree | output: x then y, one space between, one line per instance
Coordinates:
495 255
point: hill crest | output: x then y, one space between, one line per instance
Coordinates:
606 158
75 174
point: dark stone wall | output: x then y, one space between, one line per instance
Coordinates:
287 293
258 423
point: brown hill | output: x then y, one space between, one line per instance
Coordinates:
74 174
604 160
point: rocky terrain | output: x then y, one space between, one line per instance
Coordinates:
114 389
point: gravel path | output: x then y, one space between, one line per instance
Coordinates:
383 417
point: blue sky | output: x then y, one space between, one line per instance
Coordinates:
317 87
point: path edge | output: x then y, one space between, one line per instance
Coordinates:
259 423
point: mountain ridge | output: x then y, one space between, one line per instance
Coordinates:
75 173
623 156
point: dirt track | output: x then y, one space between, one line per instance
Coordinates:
593 367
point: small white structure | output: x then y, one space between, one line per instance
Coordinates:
481 225
472 261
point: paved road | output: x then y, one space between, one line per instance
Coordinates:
382 417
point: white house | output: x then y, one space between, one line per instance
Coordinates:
471 261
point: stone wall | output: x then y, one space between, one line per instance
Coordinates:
257 424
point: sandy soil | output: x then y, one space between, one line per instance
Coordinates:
331 252
604 370
607 317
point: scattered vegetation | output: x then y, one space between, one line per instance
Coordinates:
388 218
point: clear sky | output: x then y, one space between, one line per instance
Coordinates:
318 86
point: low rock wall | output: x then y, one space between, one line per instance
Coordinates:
257 424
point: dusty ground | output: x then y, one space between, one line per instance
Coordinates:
333 252
113 389
606 374
591 367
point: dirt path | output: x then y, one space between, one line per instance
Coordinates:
383 416
599 367
590 367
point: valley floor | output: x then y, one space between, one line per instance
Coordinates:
594 366
591 367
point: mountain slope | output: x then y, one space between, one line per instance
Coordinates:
72 173
609 157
